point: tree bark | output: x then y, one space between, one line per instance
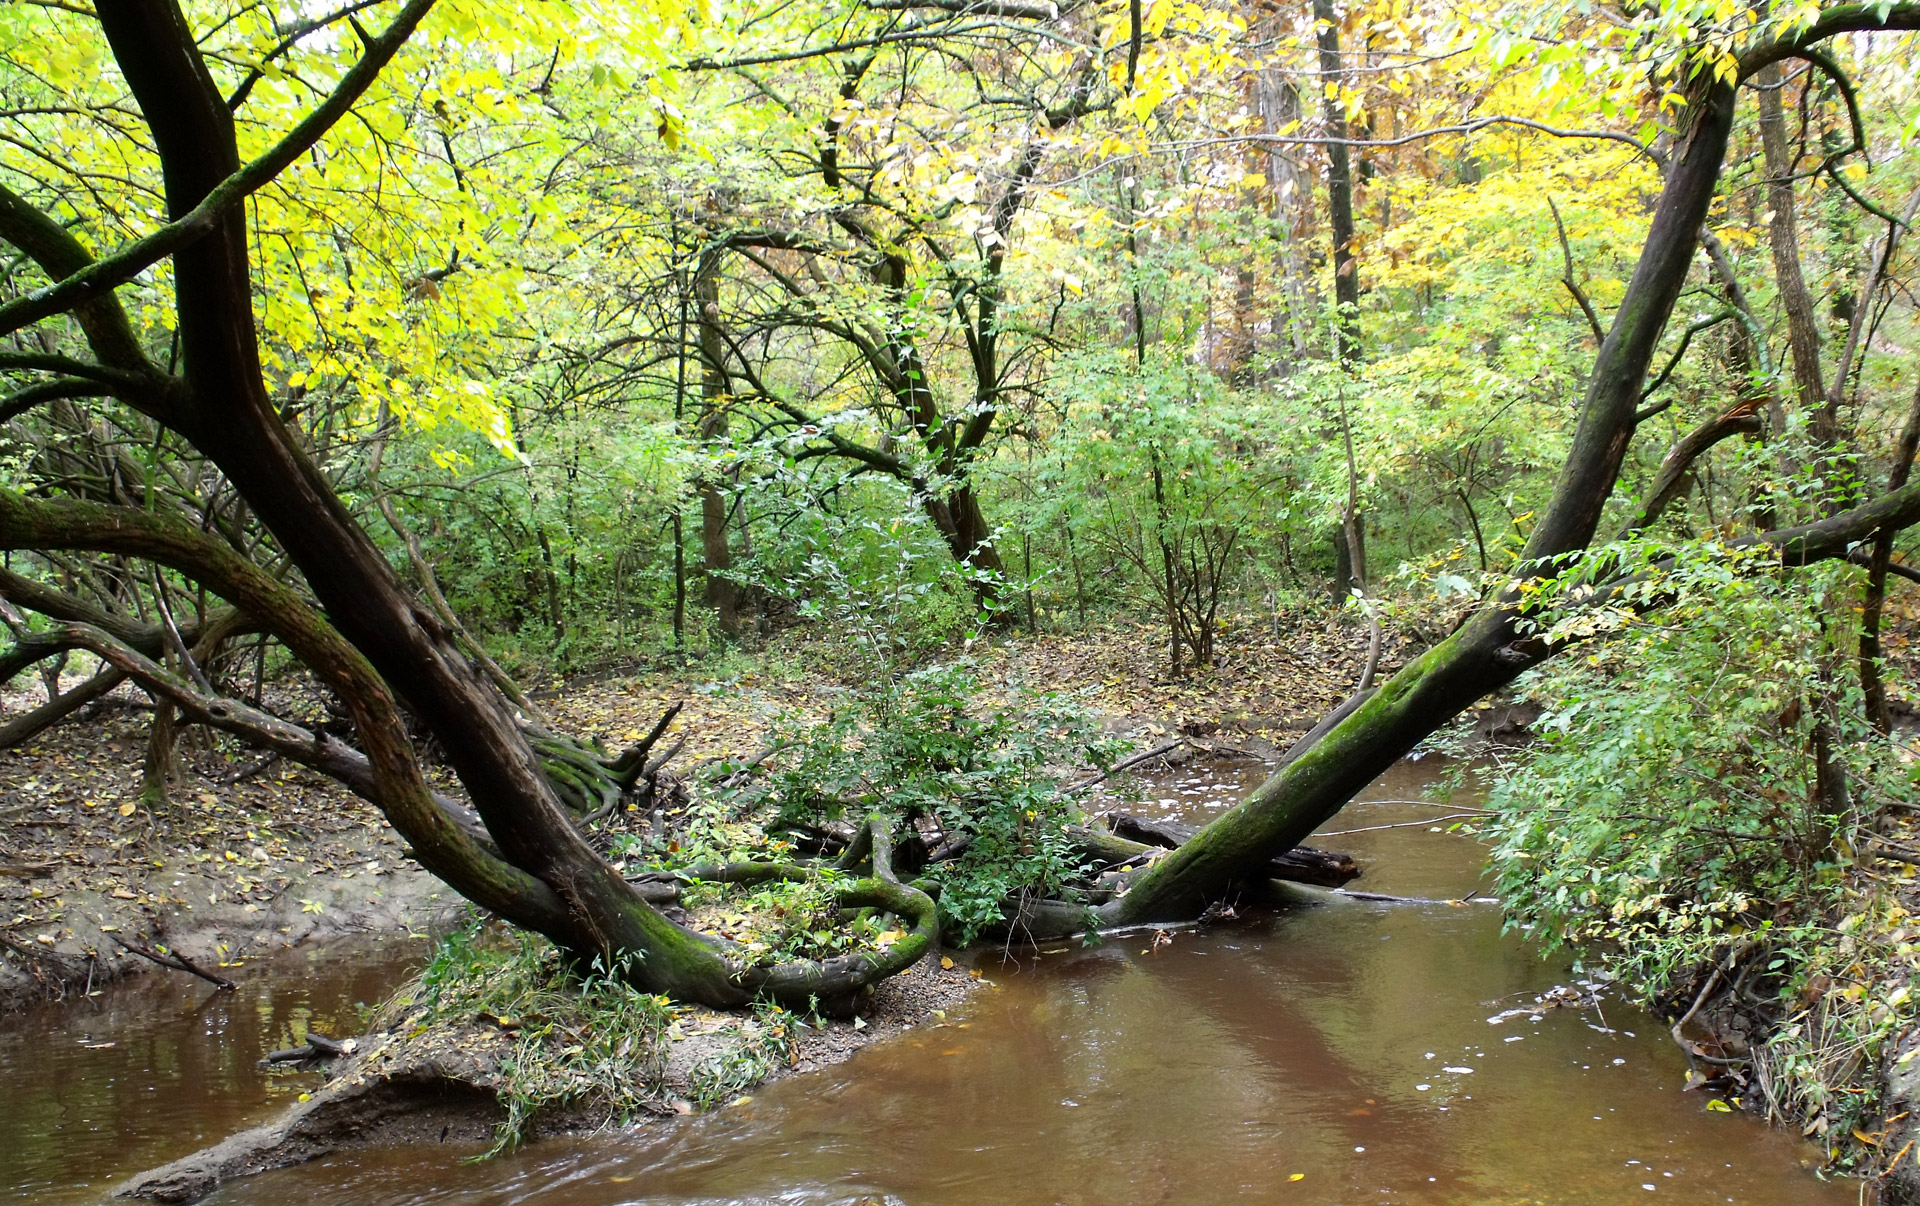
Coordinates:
1675 476
26 727
723 594
1783 237
1872 686
1346 266
1300 865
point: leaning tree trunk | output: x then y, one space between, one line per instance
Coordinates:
546 877
1487 652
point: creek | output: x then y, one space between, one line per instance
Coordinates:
1343 1052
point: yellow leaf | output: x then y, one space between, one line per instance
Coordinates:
946 964
126 810
1297 1177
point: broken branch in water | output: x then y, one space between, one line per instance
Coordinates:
1126 763
318 1046
1430 821
175 961
1301 865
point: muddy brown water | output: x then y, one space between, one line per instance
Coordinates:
161 1065
1335 1054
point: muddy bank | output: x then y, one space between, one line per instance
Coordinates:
232 867
410 1085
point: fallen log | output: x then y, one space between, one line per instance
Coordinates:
1300 865
657 887
318 1046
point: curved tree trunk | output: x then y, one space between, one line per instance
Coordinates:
547 878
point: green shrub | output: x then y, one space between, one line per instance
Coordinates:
1671 821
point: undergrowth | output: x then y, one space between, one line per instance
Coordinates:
588 1043
1699 818
584 1044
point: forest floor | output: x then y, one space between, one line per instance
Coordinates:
246 860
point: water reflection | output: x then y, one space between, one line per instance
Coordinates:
162 1065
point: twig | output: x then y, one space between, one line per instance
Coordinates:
1457 816
176 961
1733 959
174 640
654 767
1573 286
255 770
1126 763
1383 898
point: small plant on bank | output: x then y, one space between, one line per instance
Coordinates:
763 1046
584 1042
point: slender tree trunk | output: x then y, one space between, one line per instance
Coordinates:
1783 236
1346 267
161 766
1872 686
1169 589
1293 321
723 594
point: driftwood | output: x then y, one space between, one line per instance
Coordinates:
1159 751
1300 865
657 887
318 1047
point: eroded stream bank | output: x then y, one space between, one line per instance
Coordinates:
1327 1055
